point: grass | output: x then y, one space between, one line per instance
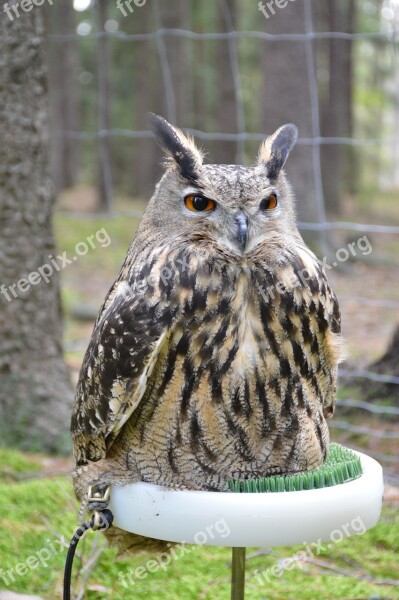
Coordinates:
36 513
13 464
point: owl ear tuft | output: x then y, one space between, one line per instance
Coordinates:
177 145
275 150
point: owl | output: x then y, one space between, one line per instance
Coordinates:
215 353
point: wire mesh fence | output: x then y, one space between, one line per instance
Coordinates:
368 430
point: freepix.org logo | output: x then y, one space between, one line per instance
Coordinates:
44 272
268 9
126 8
16 9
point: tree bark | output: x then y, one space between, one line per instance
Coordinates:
388 364
227 98
205 78
35 390
286 98
105 185
177 15
337 160
63 61
163 83
148 96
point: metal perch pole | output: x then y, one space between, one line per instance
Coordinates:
238 574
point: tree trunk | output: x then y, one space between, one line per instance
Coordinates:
148 96
105 186
350 167
163 83
286 98
337 160
205 76
388 364
227 100
64 101
35 390
177 15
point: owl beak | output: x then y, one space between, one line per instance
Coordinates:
241 221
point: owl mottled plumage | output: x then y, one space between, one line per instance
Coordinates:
215 353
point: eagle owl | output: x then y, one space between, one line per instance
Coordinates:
215 353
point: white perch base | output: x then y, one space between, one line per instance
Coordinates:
238 520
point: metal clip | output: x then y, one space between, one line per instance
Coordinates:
95 495
98 521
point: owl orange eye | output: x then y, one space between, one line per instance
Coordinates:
269 203
199 203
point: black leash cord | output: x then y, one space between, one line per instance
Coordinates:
105 522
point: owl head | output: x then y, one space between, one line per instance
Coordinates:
233 207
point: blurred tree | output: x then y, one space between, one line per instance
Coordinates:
178 53
388 364
205 95
286 98
162 82
227 97
206 18
105 186
148 96
35 390
373 70
63 62
338 164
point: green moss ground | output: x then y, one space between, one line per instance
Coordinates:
33 512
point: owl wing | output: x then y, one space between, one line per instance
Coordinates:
296 295
321 327
128 337
327 345
333 348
